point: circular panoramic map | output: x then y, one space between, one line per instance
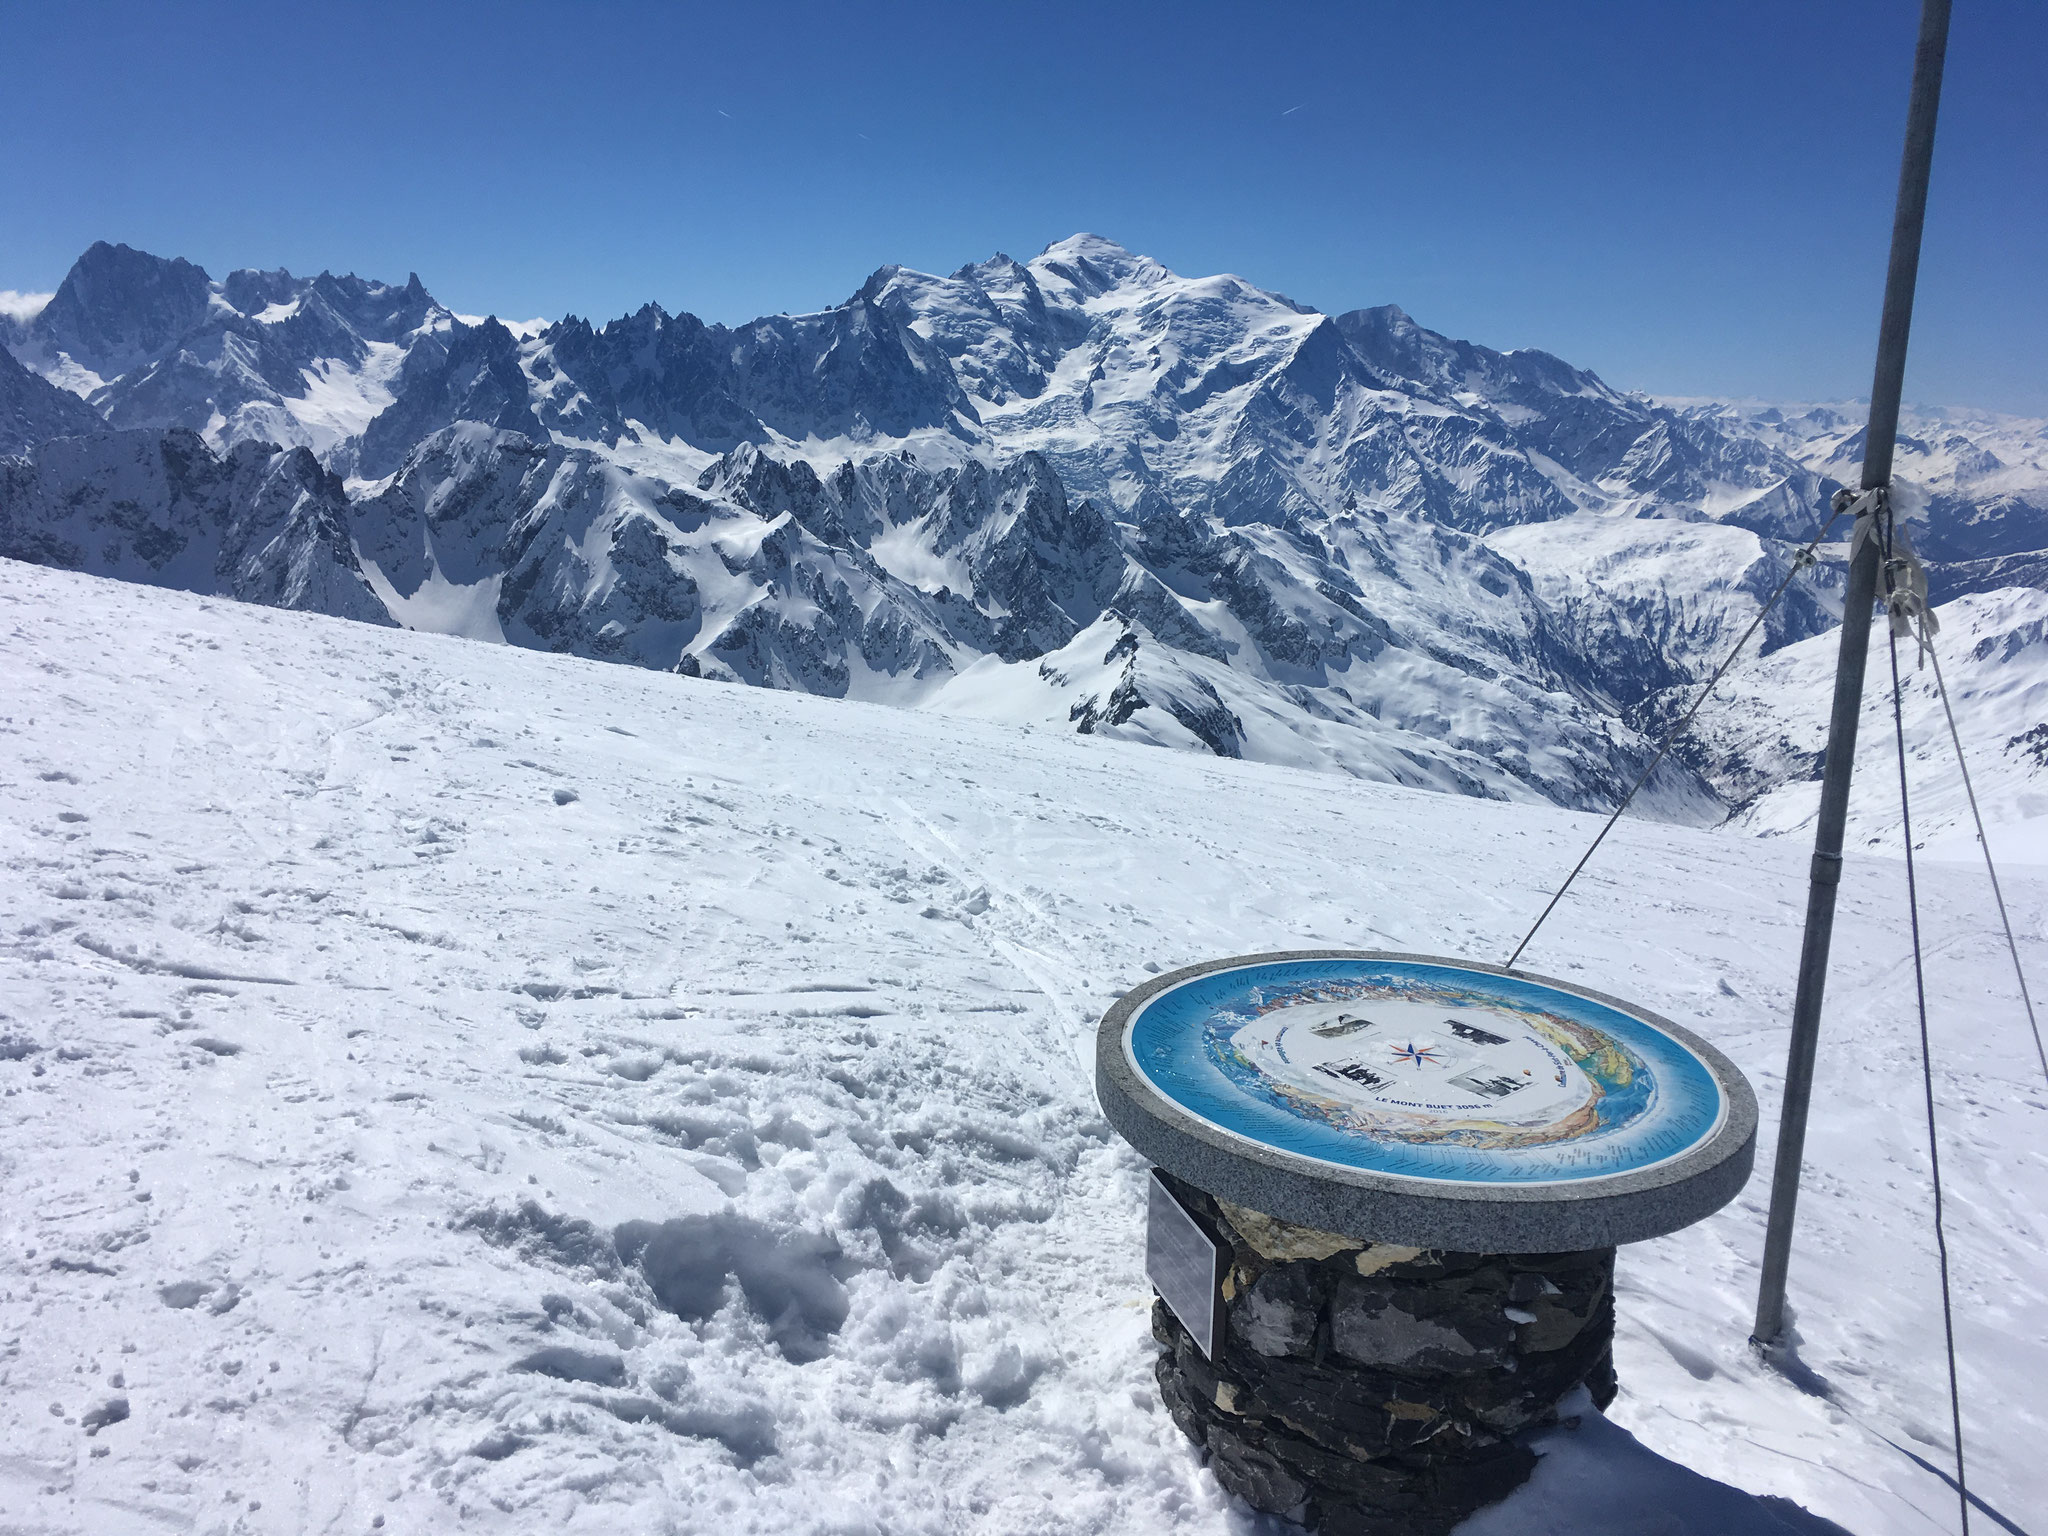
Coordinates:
1423 1070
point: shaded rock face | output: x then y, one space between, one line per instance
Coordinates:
260 524
118 307
33 410
472 374
856 372
1378 1390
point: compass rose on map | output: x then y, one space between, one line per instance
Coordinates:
1417 1055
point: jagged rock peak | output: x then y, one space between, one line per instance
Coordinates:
1001 267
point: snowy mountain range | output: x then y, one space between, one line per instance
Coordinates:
1081 492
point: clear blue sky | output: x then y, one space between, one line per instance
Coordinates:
1686 197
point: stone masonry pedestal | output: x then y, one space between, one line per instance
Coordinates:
1368 1389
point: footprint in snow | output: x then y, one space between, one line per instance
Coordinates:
181 1295
112 1411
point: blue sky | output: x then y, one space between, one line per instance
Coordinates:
1688 198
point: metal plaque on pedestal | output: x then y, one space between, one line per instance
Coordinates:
1185 1265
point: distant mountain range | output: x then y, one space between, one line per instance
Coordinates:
1081 492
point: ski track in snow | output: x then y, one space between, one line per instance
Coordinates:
355 985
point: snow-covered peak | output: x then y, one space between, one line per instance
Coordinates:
1390 339
260 355
1084 267
1100 252
928 297
1002 275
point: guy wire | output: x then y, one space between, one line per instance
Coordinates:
1799 563
1955 1404
1990 868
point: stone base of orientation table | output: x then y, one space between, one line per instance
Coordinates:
1368 1389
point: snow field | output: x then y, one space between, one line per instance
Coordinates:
456 1087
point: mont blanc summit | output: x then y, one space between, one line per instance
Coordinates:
1081 491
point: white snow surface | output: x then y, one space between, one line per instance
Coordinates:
337 403
355 984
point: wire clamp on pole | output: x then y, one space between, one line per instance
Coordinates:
1905 578
1862 504
1906 597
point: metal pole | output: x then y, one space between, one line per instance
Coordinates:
1826 877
